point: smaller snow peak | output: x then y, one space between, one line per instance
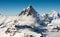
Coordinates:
53 12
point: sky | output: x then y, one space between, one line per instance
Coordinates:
14 7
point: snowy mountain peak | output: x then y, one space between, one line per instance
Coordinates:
29 16
28 11
53 12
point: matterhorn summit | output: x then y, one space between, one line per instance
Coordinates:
29 11
29 16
